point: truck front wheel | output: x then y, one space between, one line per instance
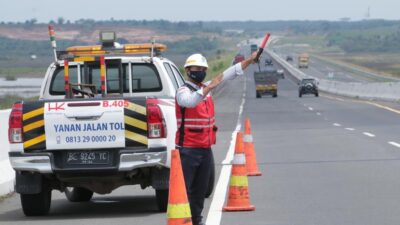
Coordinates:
162 199
78 194
36 204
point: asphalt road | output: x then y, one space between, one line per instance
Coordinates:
324 161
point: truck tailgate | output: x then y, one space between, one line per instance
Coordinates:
84 124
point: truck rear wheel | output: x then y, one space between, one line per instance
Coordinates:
275 95
162 199
258 95
36 204
78 194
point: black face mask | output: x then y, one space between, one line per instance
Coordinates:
197 76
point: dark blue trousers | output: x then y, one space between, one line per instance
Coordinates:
196 166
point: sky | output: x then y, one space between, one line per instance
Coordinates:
197 10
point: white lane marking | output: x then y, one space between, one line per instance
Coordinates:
368 134
394 144
318 114
384 107
365 102
350 129
337 125
311 109
214 215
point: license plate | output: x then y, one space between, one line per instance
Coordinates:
88 158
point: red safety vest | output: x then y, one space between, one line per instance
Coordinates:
196 129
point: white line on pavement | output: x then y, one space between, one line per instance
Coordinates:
337 125
394 144
310 108
215 212
350 129
369 134
318 114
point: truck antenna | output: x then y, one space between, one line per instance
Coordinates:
153 41
52 35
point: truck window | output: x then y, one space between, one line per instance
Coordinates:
112 73
171 75
145 78
57 81
181 81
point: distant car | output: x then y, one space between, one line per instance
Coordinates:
308 86
281 74
238 58
289 58
268 62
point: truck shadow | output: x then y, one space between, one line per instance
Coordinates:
98 207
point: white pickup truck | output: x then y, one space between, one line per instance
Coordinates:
105 118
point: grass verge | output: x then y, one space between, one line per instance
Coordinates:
16 72
219 63
387 64
7 101
4 197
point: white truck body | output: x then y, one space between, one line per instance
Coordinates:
84 145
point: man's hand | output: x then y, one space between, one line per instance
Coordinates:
249 61
213 84
253 56
216 81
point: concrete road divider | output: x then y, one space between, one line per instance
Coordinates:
387 91
7 173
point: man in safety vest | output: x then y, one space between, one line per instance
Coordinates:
196 126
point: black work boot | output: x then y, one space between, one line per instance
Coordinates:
197 221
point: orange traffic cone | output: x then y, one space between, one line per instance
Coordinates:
238 199
178 212
251 162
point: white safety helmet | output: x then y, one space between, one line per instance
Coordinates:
196 60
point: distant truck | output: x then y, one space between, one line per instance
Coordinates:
253 48
303 60
266 82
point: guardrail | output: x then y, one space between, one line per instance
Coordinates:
7 173
387 91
